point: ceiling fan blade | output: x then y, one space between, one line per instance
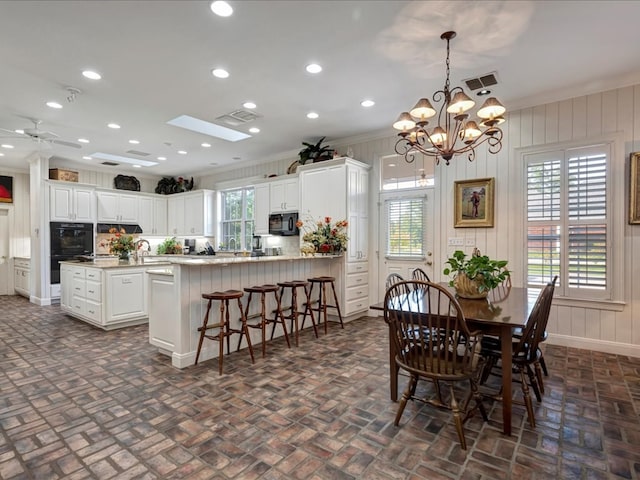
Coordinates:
11 131
66 144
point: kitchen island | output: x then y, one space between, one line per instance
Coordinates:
176 306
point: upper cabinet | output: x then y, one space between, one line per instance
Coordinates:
261 209
284 195
191 213
117 207
71 203
152 213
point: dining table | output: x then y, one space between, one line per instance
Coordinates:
498 314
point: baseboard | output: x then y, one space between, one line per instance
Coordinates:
42 302
605 346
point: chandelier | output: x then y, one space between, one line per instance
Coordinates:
453 134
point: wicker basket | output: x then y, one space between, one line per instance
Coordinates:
467 288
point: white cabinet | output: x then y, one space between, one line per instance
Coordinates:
152 215
284 195
191 214
339 189
261 209
108 298
21 284
69 202
117 207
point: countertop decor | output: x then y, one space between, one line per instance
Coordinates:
119 244
325 237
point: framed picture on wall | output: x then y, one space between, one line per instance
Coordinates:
6 189
634 188
473 200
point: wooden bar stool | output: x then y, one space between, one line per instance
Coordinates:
223 326
278 318
322 300
294 313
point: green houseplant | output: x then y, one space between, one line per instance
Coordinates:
475 276
171 246
315 152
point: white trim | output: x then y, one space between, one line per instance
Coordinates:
605 346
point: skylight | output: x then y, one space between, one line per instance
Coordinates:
208 128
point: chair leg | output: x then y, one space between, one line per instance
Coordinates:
544 366
203 331
457 418
335 299
408 393
534 383
281 321
224 324
307 308
246 315
244 328
536 365
527 398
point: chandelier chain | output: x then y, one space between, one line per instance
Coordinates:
446 83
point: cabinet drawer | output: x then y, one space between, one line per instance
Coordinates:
78 287
354 306
357 267
93 274
359 292
93 310
78 305
93 291
78 273
356 279
19 262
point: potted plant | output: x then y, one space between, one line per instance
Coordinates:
171 246
315 152
476 276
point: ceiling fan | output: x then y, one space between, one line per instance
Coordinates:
38 136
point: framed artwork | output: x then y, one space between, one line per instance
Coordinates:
473 200
6 189
634 188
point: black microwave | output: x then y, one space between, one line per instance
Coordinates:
283 224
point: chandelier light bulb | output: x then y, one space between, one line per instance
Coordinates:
404 122
423 109
460 103
491 108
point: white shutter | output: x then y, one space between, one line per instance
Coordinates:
405 229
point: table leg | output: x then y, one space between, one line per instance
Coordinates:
506 346
393 370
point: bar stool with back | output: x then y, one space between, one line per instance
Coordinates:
223 326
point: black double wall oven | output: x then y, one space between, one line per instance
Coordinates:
67 241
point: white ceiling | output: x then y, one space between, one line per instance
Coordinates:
156 57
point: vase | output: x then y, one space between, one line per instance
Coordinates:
468 288
124 256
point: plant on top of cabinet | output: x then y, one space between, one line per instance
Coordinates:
169 185
315 152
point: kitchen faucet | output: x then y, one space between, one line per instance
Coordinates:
137 246
234 244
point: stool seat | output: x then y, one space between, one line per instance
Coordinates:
278 318
293 309
322 282
223 327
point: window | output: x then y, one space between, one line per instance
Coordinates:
237 219
405 226
569 220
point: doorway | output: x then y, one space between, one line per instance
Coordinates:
4 251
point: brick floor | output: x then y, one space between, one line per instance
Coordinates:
77 402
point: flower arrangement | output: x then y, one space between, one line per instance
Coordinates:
119 244
324 236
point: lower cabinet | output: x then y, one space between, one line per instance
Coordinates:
21 268
356 296
109 298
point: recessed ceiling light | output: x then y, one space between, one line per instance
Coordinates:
134 142
392 164
1 154
19 131
219 73
87 158
6 145
113 125
90 74
205 145
53 105
162 158
312 115
314 68
83 140
254 130
222 9
249 105
182 152
482 92
137 166
367 103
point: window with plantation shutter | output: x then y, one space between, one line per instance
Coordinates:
405 229
568 220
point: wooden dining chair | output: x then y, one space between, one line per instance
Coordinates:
391 280
419 274
449 354
501 292
526 351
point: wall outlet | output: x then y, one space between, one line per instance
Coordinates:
456 241
470 242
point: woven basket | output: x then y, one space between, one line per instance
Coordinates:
467 288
